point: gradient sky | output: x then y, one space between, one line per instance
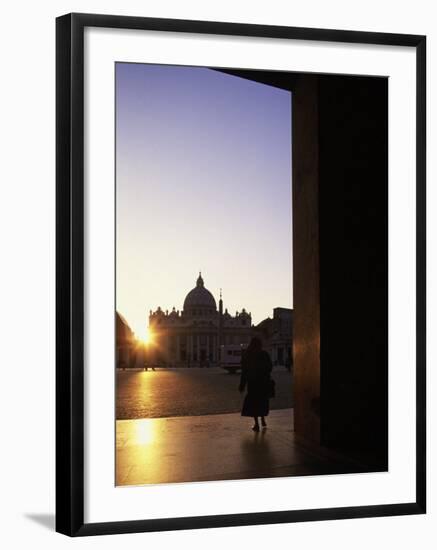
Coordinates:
203 182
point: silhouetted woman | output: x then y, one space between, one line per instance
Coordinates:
256 367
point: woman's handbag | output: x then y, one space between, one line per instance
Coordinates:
271 388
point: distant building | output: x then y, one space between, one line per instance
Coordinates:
277 336
193 336
124 342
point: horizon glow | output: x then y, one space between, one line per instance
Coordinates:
203 183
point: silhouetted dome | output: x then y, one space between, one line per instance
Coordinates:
199 297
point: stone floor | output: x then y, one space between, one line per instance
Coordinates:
189 392
215 447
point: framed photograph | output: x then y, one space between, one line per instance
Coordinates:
240 274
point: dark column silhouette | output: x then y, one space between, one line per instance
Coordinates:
340 259
340 208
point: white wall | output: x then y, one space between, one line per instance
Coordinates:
27 124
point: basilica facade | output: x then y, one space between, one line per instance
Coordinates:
194 336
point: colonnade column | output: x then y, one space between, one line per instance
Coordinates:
190 347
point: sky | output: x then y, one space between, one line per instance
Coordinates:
203 183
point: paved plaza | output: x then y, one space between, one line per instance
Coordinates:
184 425
189 392
215 447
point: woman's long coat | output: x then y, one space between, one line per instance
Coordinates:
256 367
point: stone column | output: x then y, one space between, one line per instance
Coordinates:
340 283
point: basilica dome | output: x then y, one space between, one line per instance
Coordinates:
200 298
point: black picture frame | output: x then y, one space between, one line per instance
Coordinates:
70 273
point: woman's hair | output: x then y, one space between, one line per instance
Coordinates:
255 344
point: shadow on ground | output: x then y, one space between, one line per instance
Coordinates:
46 520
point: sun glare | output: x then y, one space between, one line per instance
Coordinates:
146 337
144 429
